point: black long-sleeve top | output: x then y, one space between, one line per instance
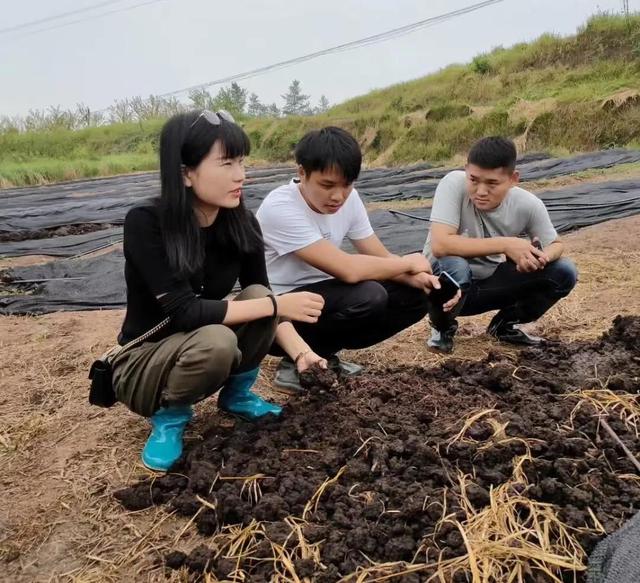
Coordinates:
190 302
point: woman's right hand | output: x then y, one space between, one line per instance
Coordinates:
300 306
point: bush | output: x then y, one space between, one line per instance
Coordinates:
481 65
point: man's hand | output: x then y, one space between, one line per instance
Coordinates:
427 282
417 263
543 257
543 261
526 257
424 281
308 359
448 306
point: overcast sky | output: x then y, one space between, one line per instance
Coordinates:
172 44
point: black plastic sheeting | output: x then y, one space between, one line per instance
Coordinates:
81 283
404 231
98 282
570 208
107 200
75 284
65 246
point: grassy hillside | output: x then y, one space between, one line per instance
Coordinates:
40 157
561 94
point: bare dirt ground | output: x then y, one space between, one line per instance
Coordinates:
62 459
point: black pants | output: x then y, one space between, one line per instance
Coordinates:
359 315
520 297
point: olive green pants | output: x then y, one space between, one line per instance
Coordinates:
187 367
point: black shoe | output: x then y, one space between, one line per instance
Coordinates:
442 341
287 379
343 368
507 332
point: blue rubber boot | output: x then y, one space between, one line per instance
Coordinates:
164 446
236 397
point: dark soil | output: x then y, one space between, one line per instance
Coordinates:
389 430
51 232
317 378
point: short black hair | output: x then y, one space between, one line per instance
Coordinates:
493 152
330 148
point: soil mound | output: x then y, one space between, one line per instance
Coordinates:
393 466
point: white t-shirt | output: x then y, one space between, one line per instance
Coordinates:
289 224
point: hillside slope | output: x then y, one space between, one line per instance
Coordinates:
560 94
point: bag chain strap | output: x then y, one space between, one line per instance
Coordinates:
113 352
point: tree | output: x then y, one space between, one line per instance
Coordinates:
323 105
172 106
120 111
149 108
11 125
85 118
272 110
35 120
238 97
59 118
296 103
233 99
201 99
255 107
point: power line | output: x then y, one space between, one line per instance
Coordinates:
57 16
91 17
374 39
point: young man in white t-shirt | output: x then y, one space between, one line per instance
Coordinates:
368 296
497 241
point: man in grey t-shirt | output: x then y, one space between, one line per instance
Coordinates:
497 241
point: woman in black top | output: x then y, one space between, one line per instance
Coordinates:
184 252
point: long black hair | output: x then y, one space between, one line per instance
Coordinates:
185 140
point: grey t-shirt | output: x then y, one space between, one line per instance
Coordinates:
520 214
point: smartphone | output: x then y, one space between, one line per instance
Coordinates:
448 289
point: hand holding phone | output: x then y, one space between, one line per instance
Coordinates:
448 289
542 257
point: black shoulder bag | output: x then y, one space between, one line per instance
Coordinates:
101 392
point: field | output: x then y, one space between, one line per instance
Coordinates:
491 461
492 464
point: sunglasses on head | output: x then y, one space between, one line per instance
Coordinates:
214 117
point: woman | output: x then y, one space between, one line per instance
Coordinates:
184 252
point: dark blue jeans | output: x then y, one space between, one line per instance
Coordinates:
520 297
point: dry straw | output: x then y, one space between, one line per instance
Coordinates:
626 406
513 538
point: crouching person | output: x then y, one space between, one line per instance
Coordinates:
183 254
497 241
368 296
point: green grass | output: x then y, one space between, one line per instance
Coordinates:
434 119
42 157
47 170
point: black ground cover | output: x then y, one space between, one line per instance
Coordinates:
74 219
